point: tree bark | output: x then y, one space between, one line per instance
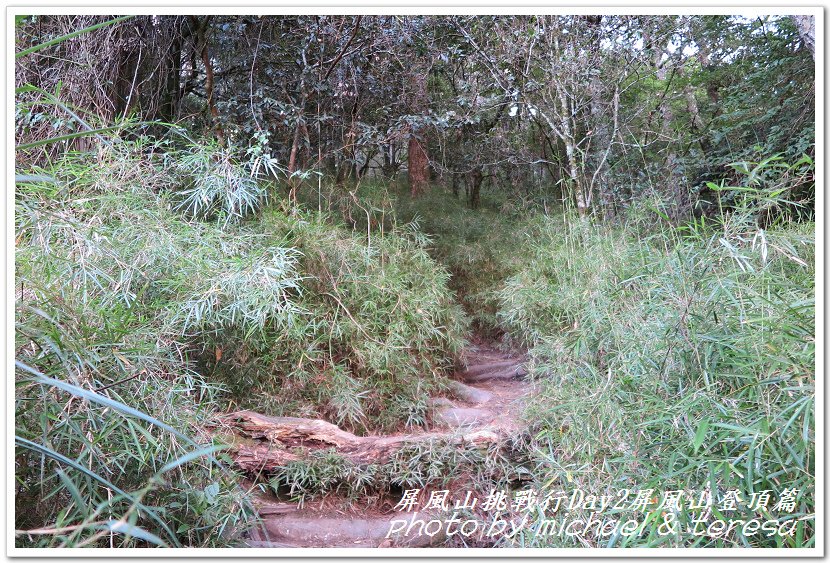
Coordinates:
418 160
279 440
806 26
418 166
293 183
475 180
600 138
202 46
171 94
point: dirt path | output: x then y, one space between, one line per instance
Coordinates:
484 406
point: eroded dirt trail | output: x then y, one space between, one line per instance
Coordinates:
489 393
483 407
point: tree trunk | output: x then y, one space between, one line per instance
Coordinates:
418 160
293 183
279 440
600 138
806 26
202 46
583 201
418 165
171 93
390 160
475 180
697 121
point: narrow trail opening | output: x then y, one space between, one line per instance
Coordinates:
483 409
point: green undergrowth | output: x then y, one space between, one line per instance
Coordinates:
109 414
668 357
480 248
673 359
152 314
440 463
371 334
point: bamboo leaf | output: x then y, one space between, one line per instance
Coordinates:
68 36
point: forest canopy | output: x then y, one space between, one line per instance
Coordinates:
604 109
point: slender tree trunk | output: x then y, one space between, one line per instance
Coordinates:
582 198
364 169
202 46
475 180
418 160
293 183
673 188
125 94
600 138
171 93
418 165
697 121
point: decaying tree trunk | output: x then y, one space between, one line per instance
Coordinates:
280 440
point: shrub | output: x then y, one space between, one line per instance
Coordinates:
683 360
109 418
373 319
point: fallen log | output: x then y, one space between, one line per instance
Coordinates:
287 439
479 369
513 372
291 430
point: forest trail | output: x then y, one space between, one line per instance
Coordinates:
484 407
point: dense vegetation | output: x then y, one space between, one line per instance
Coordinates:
309 216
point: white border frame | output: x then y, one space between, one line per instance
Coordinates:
438 8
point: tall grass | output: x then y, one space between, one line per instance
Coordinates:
374 332
679 359
109 413
480 248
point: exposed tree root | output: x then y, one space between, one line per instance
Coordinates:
287 439
483 410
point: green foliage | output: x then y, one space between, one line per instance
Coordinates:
103 456
216 181
683 360
364 344
767 103
481 248
439 462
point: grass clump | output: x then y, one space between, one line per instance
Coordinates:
440 463
109 414
369 338
683 360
